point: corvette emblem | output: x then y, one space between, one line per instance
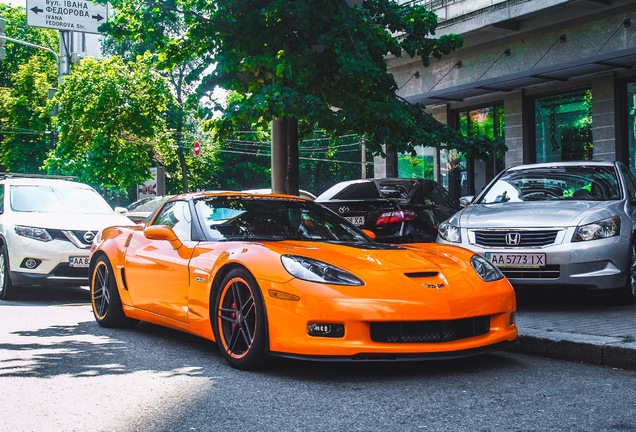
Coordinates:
344 209
434 286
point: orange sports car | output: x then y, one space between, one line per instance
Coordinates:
276 275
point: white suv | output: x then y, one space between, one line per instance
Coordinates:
47 226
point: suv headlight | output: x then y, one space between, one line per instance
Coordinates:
317 271
449 232
33 233
597 230
485 269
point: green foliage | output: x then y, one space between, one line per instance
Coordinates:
319 61
17 54
110 120
25 118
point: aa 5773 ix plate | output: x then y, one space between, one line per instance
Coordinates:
516 260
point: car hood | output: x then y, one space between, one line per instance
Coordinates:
377 256
529 214
70 221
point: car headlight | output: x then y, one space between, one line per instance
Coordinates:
34 233
597 230
317 271
485 269
449 232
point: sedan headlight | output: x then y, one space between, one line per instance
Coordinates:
597 230
33 233
485 269
317 271
449 232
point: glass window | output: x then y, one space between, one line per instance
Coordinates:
572 183
177 216
57 199
420 165
563 127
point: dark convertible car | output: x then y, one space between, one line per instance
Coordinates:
397 210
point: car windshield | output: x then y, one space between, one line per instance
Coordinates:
589 183
57 199
147 204
245 218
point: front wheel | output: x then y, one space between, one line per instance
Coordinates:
628 292
105 300
8 291
238 321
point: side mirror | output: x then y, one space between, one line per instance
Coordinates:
121 211
466 200
369 233
162 232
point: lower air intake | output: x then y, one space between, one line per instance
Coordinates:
429 331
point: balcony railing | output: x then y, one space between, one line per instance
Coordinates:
449 9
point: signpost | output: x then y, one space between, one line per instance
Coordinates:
197 148
66 15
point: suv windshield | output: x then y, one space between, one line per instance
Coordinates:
589 183
57 199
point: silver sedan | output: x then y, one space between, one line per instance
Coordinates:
562 224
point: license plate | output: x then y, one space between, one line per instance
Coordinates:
356 220
516 260
78 261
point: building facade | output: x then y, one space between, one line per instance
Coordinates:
553 79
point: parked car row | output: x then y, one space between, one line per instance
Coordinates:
371 269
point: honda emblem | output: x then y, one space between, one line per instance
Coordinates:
513 239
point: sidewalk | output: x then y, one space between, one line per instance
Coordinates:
588 329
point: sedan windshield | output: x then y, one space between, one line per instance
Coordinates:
589 183
245 218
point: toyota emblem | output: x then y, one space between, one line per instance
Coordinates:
89 236
344 209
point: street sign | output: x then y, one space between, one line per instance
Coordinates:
79 16
197 148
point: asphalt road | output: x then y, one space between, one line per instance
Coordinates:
59 371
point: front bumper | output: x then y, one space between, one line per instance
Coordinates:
595 265
52 263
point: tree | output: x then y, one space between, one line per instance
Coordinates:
111 118
319 61
182 77
18 54
25 119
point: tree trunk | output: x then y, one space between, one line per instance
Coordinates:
180 154
293 169
285 175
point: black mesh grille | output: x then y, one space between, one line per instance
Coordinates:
547 272
64 270
429 331
526 238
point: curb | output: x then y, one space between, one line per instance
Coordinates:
598 350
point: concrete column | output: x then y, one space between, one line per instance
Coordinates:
603 117
514 112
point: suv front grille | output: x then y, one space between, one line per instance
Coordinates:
78 234
429 331
526 238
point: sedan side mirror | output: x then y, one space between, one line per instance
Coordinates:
466 200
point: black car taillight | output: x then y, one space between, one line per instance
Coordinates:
395 217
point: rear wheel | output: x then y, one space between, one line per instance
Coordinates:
8 291
628 293
239 322
105 300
